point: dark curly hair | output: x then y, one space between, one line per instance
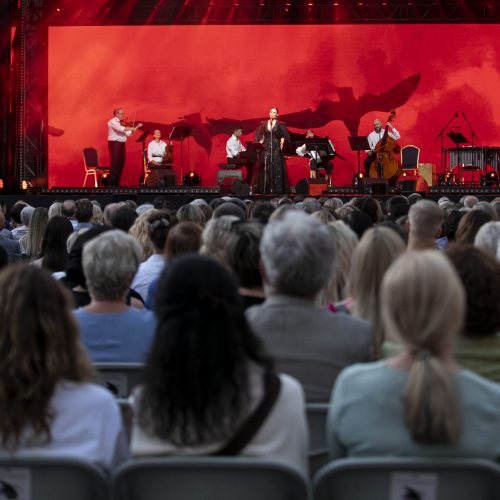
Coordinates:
480 275
196 382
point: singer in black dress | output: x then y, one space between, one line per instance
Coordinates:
272 168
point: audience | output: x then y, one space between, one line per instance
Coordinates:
488 237
470 224
49 407
207 375
111 330
308 342
11 246
84 211
31 242
425 225
419 403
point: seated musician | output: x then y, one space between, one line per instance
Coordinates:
237 155
318 159
157 151
374 137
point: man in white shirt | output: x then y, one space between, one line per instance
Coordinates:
373 139
156 149
234 150
317 158
117 136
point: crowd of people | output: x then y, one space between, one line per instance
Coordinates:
242 313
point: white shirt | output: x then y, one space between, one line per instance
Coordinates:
156 150
116 131
374 137
148 271
87 425
283 436
234 147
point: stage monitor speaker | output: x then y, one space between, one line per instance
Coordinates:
231 173
412 184
162 177
312 187
238 187
375 186
428 172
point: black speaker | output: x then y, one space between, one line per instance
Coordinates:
412 184
375 186
162 177
230 185
313 187
232 173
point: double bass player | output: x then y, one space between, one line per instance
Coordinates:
374 137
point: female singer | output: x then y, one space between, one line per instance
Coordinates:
272 168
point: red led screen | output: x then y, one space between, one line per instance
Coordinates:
333 79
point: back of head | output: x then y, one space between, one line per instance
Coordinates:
397 206
55 209
480 275
83 210
34 238
191 213
54 249
470 201
356 219
486 207
15 211
68 208
470 224
39 348
110 262
230 208
426 218
160 224
423 305
123 217
216 236
369 206
196 383
244 254
298 253
262 211
184 237
26 214
488 237
377 250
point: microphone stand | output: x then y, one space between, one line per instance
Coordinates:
473 134
441 134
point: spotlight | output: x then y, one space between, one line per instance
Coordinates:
490 179
358 179
192 179
1 184
24 186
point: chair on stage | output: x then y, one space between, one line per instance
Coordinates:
41 478
92 167
207 478
409 159
398 478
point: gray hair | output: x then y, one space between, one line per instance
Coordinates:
298 254
26 214
145 207
55 209
333 203
484 206
110 262
216 236
469 201
426 217
488 237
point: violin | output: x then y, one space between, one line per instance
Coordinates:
385 165
128 123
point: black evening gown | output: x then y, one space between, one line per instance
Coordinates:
272 167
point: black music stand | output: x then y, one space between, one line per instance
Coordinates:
179 133
359 143
457 137
320 144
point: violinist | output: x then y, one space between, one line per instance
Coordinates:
318 159
118 131
158 151
374 137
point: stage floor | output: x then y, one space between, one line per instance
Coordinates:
178 196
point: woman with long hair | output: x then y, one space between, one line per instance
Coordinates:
420 402
207 374
31 242
49 407
54 253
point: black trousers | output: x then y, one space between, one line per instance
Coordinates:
117 162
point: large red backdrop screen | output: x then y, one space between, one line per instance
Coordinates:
334 79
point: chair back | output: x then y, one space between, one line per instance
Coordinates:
409 157
316 421
408 478
207 478
90 158
119 378
52 479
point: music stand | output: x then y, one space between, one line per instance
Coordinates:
359 143
320 144
457 137
179 133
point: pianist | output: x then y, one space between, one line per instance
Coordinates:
236 153
318 159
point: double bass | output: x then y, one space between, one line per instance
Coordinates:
385 165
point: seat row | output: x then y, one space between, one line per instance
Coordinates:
210 478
